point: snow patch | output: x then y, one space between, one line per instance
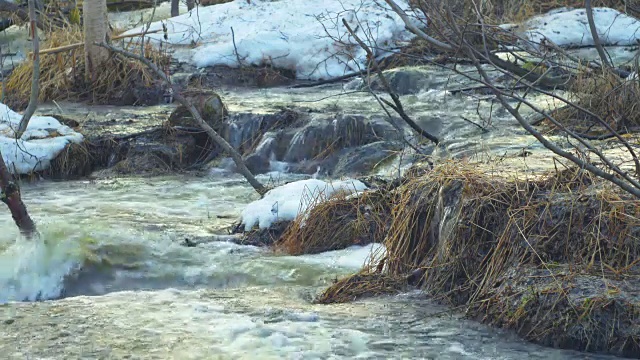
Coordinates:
286 202
570 28
289 34
43 140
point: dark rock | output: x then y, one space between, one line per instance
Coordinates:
210 107
257 164
265 237
362 160
411 80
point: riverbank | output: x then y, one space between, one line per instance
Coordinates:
553 258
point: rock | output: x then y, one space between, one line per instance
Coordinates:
412 80
265 237
322 137
362 160
257 163
209 105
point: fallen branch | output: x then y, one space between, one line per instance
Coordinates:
78 45
237 158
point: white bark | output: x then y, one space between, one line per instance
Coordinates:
96 29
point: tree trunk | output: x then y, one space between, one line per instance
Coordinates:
191 4
96 30
10 195
175 8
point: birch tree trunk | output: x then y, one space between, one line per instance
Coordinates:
96 30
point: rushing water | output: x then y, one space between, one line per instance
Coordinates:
120 285
123 286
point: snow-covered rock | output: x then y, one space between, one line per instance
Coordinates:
570 28
301 35
286 202
43 140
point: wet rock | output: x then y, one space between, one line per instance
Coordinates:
324 136
362 160
210 107
265 237
407 81
247 76
412 80
257 163
155 156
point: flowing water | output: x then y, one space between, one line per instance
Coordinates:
109 278
121 286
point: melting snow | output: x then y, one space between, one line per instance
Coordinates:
44 139
570 28
289 34
287 201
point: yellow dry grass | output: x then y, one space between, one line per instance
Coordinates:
335 223
62 74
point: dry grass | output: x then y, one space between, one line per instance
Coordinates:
62 74
486 243
74 160
336 223
605 94
361 285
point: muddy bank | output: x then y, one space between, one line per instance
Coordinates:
552 258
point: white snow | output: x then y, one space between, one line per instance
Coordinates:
43 140
286 202
290 34
570 28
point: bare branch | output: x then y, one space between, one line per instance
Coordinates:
397 106
237 158
595 36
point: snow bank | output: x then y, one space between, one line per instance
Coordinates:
287 201
290 34
44 139
570 28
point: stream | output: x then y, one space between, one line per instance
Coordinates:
123 287
109 278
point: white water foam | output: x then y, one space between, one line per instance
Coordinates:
32 270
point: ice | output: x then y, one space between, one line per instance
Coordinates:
570 28
301 35
287 201
43 140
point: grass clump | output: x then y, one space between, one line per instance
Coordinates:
336 223
523 254
62 75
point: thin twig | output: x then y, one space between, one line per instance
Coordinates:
397 106
237 158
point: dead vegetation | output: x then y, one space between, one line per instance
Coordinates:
606 95
554 258
123 82
337 223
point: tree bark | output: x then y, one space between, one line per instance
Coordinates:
35 85
175 8
10 195
96 30
191 4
